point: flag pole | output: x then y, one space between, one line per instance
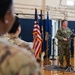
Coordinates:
47 61
53 50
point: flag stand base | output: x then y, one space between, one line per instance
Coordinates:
69 69
47 61
52 58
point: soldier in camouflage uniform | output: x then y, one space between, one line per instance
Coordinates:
63 36
13 60
12 36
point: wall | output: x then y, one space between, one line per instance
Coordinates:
71 25
57 9
27 29
27 7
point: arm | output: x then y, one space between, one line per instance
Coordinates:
58 35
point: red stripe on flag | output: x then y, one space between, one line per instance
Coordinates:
39 48
37 40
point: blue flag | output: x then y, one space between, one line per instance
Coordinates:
47 34
42 31
41 21
47 26
36 16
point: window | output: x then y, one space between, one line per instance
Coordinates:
71 2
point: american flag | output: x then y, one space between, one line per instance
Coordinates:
37 40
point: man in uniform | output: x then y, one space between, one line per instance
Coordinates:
13 60
13 36
63 35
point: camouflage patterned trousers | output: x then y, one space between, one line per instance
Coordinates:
64 50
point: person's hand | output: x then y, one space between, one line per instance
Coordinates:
65 39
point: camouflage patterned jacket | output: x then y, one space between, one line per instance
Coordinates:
17 41
16 61
64 33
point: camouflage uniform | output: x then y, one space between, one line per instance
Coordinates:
16 61
64 46
16 41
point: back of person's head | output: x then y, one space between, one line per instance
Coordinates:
63 21
4 6
15 26
6 16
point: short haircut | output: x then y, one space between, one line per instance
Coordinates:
4 7
15 26
63 21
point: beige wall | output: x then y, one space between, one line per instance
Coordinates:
27 7
57 9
